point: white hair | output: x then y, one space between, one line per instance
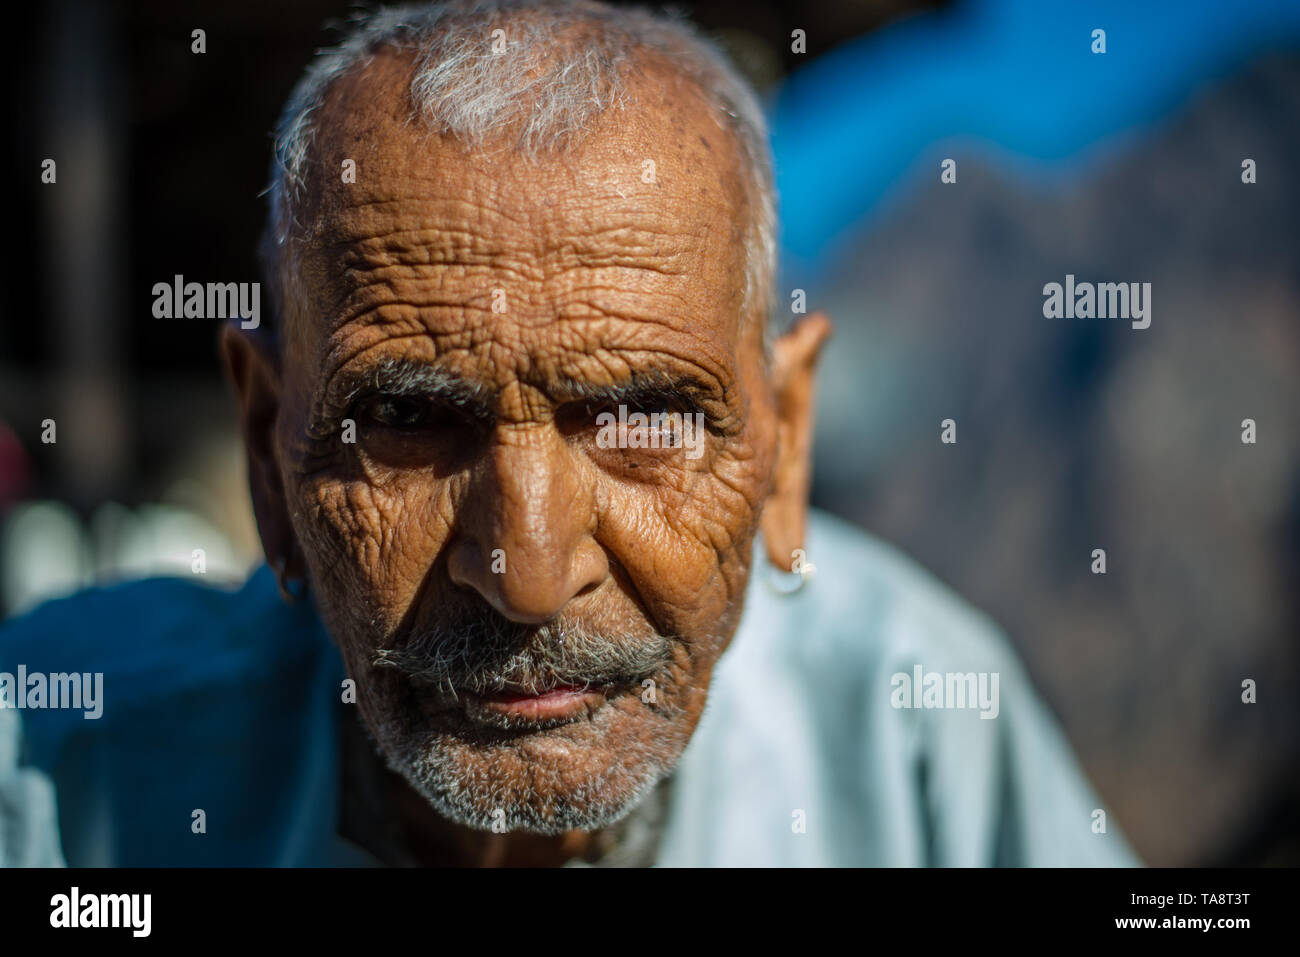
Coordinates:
570 66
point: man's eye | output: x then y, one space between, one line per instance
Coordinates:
653 412
649 426
661 419
397 413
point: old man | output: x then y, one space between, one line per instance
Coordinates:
542 586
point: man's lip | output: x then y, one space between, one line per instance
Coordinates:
562 702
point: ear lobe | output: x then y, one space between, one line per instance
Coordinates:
253 369
794 368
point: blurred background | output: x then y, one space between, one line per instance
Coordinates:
1072 434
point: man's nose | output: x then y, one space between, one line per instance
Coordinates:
525 534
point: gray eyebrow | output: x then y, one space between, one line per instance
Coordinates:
415 379
644 387
411 378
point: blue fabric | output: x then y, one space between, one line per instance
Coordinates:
213 700
29 834
226 701
1013 80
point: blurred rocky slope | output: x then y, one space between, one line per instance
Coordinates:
1075 434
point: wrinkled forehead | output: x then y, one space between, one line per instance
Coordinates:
648 202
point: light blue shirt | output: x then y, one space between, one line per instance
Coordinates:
814 748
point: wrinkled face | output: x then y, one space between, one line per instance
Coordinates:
530 585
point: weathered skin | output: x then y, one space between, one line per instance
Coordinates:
604 276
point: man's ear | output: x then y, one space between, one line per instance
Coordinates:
794 367
253 368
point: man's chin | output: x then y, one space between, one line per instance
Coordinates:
548 774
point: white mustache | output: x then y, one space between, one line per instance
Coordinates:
489 654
